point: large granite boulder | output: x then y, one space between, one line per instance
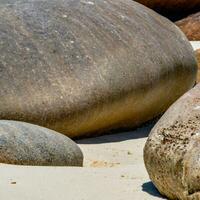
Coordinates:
27 144
172 8
172 151
190 26
84 67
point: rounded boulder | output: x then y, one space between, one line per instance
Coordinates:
171 153
84 67
27 144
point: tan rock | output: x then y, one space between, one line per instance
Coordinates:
197 52
190 26
171 153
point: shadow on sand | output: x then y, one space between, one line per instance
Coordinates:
140 132
151 189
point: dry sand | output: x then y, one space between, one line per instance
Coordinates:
195 44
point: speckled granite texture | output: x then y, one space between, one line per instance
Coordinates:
171 153
27 144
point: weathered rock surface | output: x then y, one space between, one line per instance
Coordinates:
197 53
172 151
190 26
82 67
171 7
26 144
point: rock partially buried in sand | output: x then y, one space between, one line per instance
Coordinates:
26 144
191 26
84 67
172 151
197 53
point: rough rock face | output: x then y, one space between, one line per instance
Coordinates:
168 7
197 53
80 67
26 144
191 26
172 151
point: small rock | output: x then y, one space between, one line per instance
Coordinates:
26 144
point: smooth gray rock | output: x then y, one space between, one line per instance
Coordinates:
83 67
27 144
172 151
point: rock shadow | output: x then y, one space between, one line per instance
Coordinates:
121 135
149 188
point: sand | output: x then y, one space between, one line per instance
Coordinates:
195 44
